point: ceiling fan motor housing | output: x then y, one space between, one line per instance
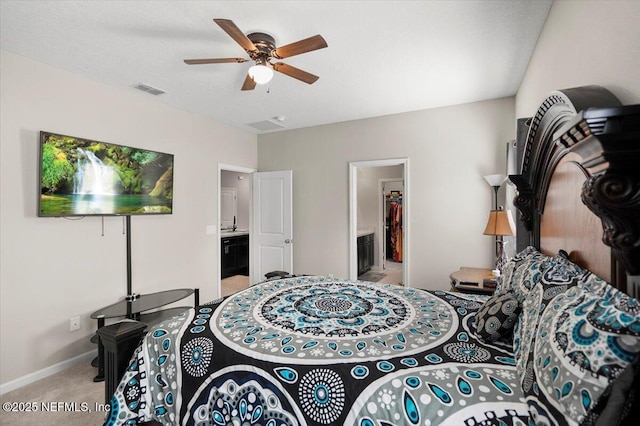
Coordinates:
265 45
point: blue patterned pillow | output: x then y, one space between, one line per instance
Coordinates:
521 273
496 318
576 336
553 277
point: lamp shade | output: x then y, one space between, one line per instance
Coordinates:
495 180
500 223
261 74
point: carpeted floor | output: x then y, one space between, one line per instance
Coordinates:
69 398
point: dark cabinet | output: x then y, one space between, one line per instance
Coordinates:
365 253
234 256
242 255
228 257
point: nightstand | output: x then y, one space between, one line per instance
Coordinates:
472 280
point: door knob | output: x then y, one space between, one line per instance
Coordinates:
287 241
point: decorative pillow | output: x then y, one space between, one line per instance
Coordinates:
575 337
521 273
553 277
496 318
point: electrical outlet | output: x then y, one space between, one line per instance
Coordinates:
74 324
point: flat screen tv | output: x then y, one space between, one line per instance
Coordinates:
82 177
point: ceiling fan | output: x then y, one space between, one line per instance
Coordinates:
262 50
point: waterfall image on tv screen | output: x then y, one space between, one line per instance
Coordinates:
81 177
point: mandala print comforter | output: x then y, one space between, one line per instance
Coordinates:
322 351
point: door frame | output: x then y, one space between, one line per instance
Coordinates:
238 169
353 214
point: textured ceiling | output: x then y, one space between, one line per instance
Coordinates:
384 57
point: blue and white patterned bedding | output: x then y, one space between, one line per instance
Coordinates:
322 351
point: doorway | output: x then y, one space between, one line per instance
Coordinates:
368 214
257 228
234 228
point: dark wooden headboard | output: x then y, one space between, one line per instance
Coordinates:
579 187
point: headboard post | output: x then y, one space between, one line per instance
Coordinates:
588 123
523 235
608 140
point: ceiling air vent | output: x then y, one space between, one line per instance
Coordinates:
266 125
149 89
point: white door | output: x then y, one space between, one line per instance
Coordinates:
272 223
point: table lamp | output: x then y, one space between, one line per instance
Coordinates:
500 223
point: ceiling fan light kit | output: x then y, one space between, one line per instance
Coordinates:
260 73
261 49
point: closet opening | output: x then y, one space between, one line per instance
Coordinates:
391 250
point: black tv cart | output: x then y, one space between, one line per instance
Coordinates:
136 308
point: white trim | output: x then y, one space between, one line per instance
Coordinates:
237 169
353 214
46 372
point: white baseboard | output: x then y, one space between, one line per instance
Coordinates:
46 372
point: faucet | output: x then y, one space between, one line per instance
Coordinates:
234 224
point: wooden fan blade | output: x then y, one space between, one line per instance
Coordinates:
213 61
230 28
249 83
307 45
295 73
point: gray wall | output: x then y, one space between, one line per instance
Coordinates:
583 43
52 268
449 150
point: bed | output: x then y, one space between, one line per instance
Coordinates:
557 343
